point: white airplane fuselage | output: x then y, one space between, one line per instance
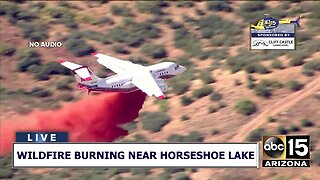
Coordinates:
122 82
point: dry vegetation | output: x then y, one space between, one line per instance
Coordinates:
227 94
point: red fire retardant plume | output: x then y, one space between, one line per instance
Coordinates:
96 118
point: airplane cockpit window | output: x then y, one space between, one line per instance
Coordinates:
176 67
256 23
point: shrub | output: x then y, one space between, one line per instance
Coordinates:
245 107
154 50
145 30
140 138
250 84
276 64
23 65
199 12
215 131
294 128
63 85
39 92
64 16
185 100
184 117
252 68
64 174
153 7
262 90
174 170
120 49
154 121
204 91
271 119
7 50
35 68
180 87
193 136
265 87
105 21
182 176
127 22
213 25
77 45
307 72
138 60
306 122
66 97
130 126
175 138
212 109
255 135
206 77
216 96
164 176
316 157
311 66
35 32
314 65
54 68
26 58
282 130
250 10
42 76
8 8
93 35
120 10
188 19
6 171
175 25
218 6
296 61
237 82
187 41
184 61
222 104
143 171
294 85
163 105
186 4
217 40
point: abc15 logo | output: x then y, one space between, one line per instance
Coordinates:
286 147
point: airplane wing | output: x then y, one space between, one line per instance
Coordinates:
116 65
145 81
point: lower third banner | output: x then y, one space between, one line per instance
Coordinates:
135 155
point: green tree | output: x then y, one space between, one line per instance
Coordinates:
154 50
294 85
204 91
7 50
185 100
154 121
245 107
255 135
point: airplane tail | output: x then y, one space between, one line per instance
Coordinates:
297 21
83 74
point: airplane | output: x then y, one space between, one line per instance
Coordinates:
271 23
129 76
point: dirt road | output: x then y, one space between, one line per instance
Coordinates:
278 107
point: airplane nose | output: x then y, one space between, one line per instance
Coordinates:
182 69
